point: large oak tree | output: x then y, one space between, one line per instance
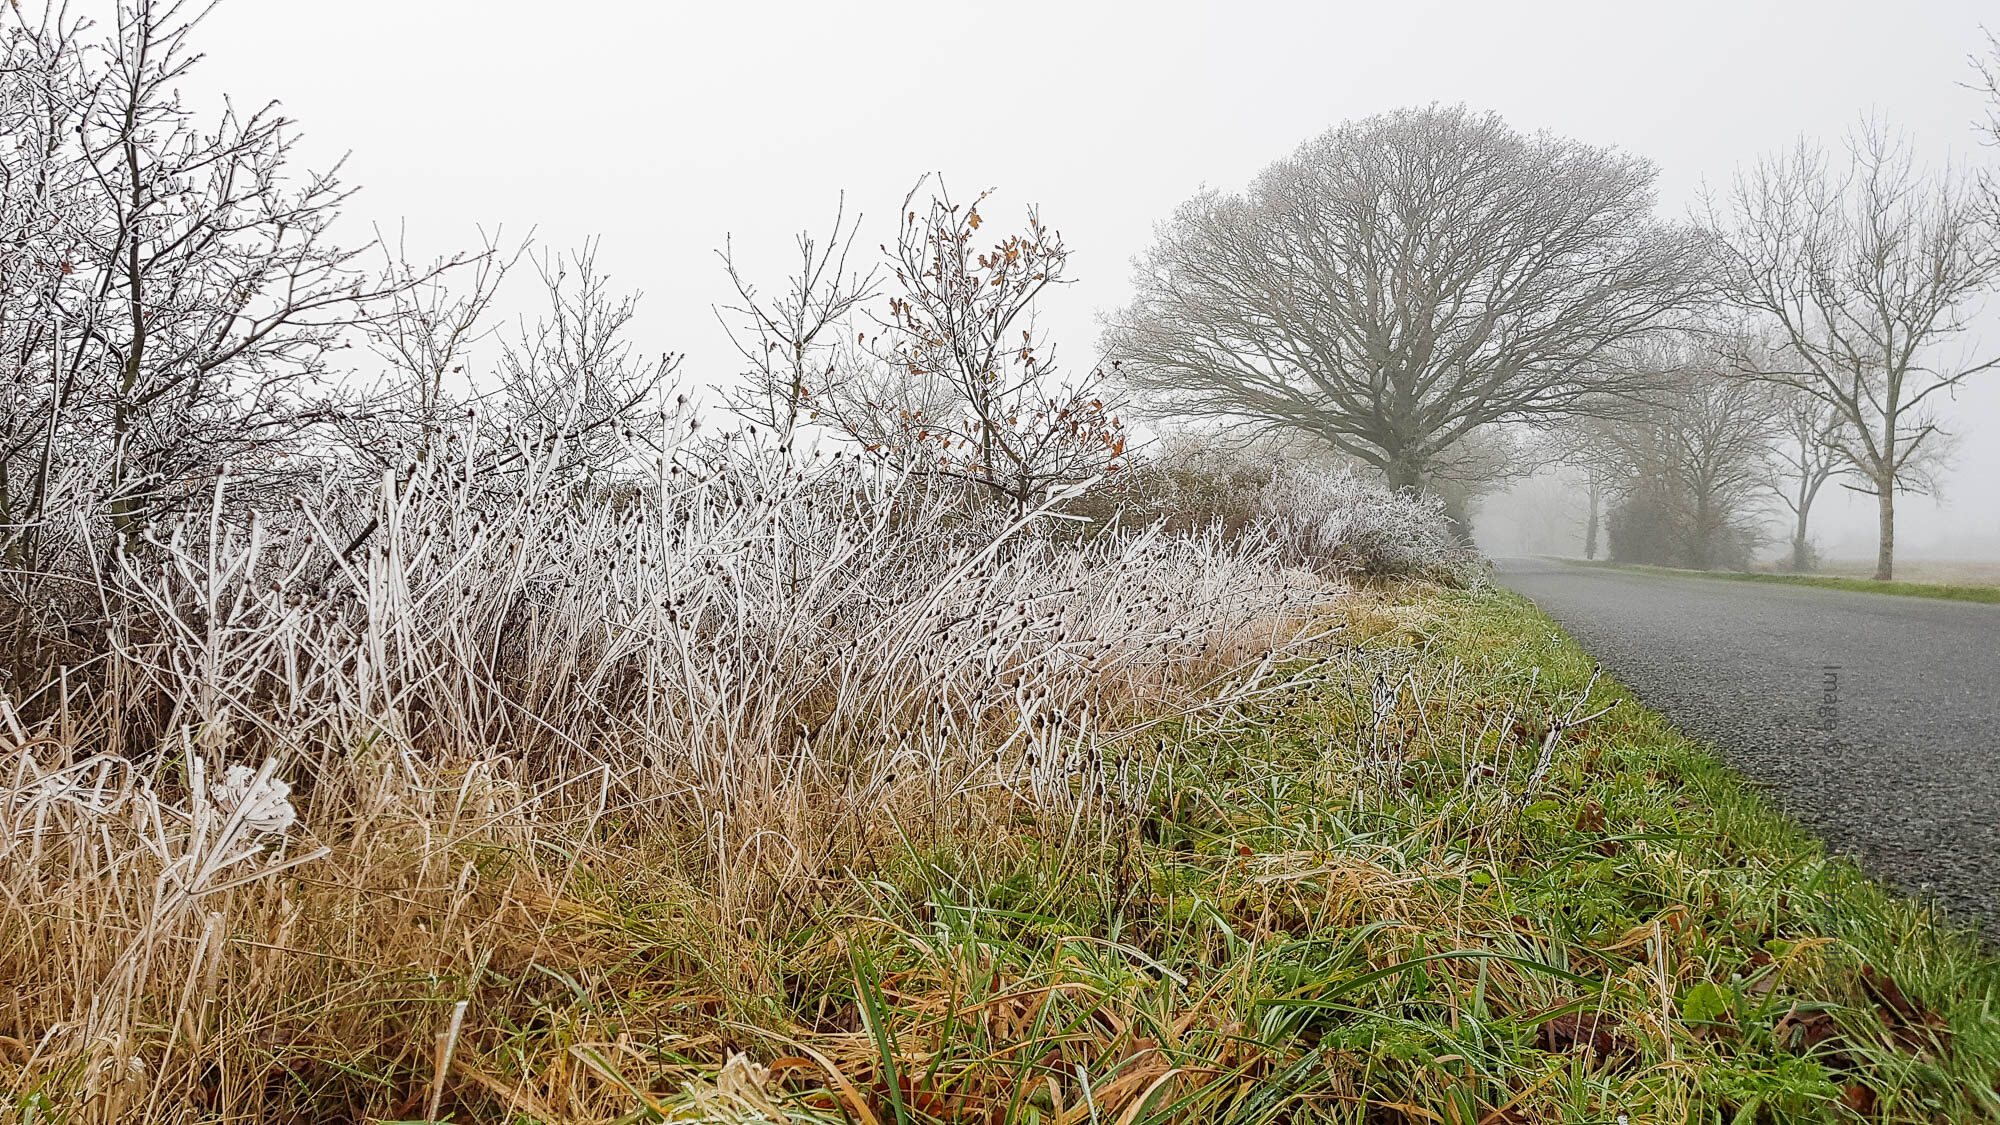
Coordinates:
1402 281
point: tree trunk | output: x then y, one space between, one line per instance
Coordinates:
1885 544
1701 552
1407 475
1798 565
1590 534
1457 512
1404 475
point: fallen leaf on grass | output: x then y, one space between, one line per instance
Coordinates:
1799 1031
1590 818
1912 1028
1599 1032
1889 995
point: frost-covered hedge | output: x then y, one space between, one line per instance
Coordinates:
1323 517
1335 519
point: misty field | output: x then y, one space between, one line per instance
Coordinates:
1941 572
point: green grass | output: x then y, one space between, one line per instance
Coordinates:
1987 594
1292 936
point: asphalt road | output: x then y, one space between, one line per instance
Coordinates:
1874 719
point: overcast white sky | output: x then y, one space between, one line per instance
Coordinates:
665 126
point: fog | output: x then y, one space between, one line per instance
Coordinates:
414 709
667 127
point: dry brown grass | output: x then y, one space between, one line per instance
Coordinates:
582 793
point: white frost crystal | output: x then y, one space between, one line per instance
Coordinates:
267 807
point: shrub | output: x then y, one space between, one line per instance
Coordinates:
1332 520
1327 518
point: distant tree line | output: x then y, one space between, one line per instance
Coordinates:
1417 290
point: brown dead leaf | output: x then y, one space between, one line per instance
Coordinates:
1590 818
1912 1028
1889 995
1799 1031
1598 1032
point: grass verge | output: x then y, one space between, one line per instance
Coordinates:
1989 595
1408 894
1377 906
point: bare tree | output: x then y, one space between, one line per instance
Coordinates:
1594 490
791 343
1585 442
568 394
43 214
1401 281
573 375
426 337
1691 470
179 296
958 380
1867 271
1987 66
1806 457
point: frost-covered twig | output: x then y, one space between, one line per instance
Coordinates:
1557 725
